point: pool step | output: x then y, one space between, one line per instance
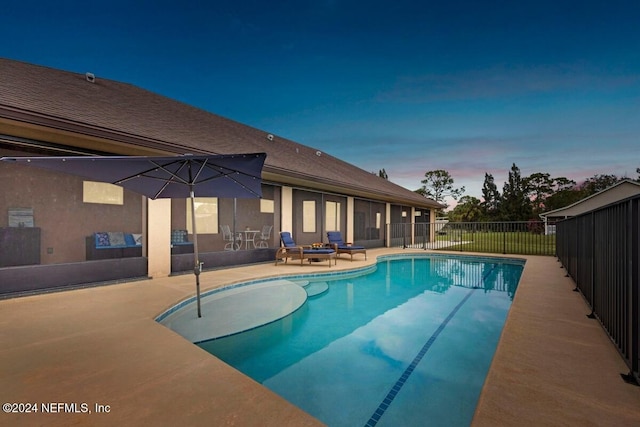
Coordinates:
316 288
234 310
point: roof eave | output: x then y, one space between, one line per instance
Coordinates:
311 182
57 130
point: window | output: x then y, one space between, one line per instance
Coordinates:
332 216
102 192
266 206
206 215
309 216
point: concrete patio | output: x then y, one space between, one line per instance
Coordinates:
99 351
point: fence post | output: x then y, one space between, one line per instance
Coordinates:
404 236
424 236
504 240
387 237
634 276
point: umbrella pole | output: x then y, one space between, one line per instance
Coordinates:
197 267
234 226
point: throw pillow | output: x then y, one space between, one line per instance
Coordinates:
102 239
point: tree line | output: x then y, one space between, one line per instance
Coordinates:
521 199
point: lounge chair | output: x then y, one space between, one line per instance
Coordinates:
335 241
289 249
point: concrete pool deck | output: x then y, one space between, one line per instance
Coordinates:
100 352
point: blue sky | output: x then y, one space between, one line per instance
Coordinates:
408 86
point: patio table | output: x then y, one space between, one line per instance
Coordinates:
250 236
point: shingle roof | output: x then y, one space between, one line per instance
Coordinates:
127 113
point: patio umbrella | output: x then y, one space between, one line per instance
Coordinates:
231 176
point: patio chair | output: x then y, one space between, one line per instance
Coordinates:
233 242
335 241
289 249
264 236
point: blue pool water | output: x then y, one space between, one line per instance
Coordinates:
409 343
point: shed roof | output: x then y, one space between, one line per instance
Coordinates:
109 110
621 190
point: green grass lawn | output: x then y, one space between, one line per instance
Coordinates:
522 243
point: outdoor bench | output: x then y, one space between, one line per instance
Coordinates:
108 245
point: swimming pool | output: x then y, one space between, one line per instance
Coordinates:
408 343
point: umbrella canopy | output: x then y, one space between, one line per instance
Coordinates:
232 176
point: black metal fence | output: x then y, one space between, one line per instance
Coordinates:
600 251
524 238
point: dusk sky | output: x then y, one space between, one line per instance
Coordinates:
408 86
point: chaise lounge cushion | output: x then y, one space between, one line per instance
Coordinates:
312 252
287 240
335 240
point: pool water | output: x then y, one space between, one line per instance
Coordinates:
408 344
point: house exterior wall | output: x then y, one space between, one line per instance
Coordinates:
348 235
316 233
300 235
286 213
64 219
369 222
33 122
159 237
386 224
